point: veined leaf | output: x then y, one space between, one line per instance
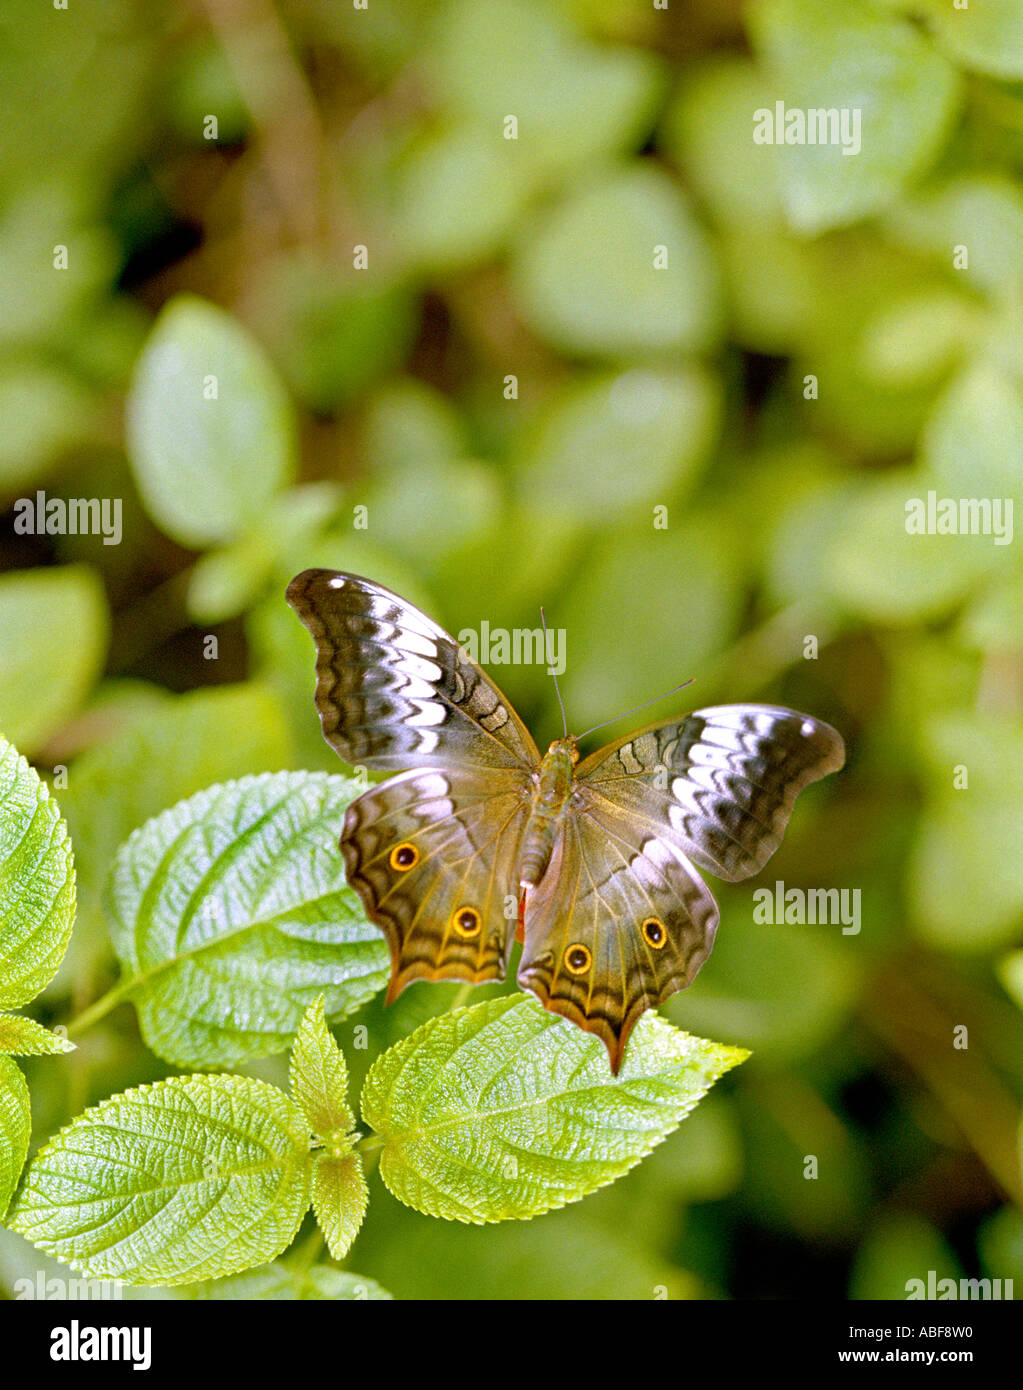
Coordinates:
230 912
37 882
319 1076
505 1111
191 1178
15 1128
23 1037
340 1199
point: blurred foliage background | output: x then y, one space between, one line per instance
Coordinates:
231 249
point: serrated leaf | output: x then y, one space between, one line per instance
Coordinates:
191 1178
54 624
340 1199
206 465
37 882
230 911
15 1129
839 54
279 1281
23 1037
504 1110
319 1076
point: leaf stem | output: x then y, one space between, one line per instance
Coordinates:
99 1008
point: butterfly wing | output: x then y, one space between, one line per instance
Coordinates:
619 922
721 783
433 855
394 690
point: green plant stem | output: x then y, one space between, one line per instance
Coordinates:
101 1007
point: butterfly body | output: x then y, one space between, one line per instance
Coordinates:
593 861
554 784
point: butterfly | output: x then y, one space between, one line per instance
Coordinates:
478 840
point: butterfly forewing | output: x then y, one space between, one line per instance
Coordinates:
618 924
393 689
722 782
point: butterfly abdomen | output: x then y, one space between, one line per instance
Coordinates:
553 789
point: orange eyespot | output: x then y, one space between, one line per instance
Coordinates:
578 959
404 857
654 933
466 923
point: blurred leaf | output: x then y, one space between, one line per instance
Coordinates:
987 38
983 212
23 1037
406 422
280 1281
230 912
470 1138
205 467
333 331
575 102
37 883
201 83
707 130
172 747
836 54
653 430
644 613
202 1176
227 580
588 277
882 572
340 1199
15 1129
54 623
319 1076
965 877
973 443
900 1247
434 515
994 621
782 990
46 411
1001 1244
1010 972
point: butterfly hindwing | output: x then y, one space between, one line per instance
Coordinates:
721 782
619 922
393 689
433 855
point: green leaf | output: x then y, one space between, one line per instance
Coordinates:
191 1178
983 212
23 1037
37 882
174 746
587 276
340 1199
46 411
651 429
54 624
15 1129
986 37
279 1281
973 443
576 103
505 1111
901 1247
1010 972
319 1076
841 54
229 579
230 913
207 467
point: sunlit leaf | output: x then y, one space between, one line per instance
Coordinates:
191 1178
15 1129
504 1111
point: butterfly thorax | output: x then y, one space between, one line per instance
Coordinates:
552 789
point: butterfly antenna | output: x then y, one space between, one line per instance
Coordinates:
557 688
636 708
